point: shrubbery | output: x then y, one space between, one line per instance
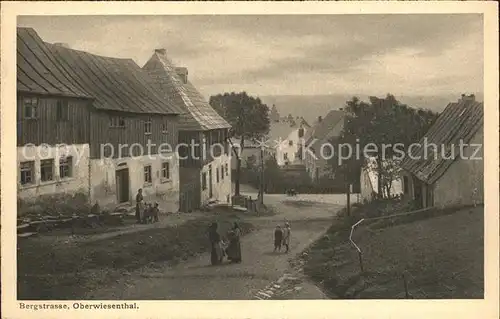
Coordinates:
278 180
50 205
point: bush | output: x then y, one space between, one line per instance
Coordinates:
52 205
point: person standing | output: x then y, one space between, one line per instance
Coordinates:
286 237
139 205
234 248
278 238
215 241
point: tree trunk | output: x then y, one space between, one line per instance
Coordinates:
380 175
238 169
388 187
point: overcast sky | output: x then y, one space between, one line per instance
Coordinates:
282 54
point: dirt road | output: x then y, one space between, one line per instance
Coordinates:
261 268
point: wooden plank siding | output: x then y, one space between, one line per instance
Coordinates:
211 137
186 156
132 133
46 128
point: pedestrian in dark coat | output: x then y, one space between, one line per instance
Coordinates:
216 253
234 248
139 207
278 238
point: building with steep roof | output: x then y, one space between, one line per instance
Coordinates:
205 172
325 131
108 115
446 167
283 142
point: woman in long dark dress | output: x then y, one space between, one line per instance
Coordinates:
234 248
139 207
215 241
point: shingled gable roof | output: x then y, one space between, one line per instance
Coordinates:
200 116
37 71
114 84
321 129
459 121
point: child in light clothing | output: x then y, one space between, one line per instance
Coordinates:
286 237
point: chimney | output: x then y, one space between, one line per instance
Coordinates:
320 119
301 132
471 98
182 72
62 45
161 51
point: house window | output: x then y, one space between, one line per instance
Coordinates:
30 108
47 170
62 111
227 170
290 143
147 175
285 156
217 174
116 121
27 173
65 167
164 126
165 170
147 126
222 172
327 152
405 185
204 181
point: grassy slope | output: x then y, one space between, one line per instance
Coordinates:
442 257
67 271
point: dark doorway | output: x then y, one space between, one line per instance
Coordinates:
210 188
405 185
122 185
417 192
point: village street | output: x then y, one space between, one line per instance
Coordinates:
196 279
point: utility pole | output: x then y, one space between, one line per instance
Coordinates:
348 199
261 188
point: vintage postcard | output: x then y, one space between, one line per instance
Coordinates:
249 160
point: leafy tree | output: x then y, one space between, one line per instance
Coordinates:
383 123
391 170
249 119
272 173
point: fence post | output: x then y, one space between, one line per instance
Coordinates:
407 295
361 262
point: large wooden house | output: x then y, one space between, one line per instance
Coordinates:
205 172
110 118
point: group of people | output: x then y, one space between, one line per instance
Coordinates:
221 249
145 213
282 237
232 248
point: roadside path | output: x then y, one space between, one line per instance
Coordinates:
260 270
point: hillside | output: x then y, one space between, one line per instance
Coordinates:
312 106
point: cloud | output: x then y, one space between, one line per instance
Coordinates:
310 54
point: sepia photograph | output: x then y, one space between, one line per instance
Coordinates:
249 157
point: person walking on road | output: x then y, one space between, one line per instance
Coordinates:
139 206
287 232
234 248
278 238
216 254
